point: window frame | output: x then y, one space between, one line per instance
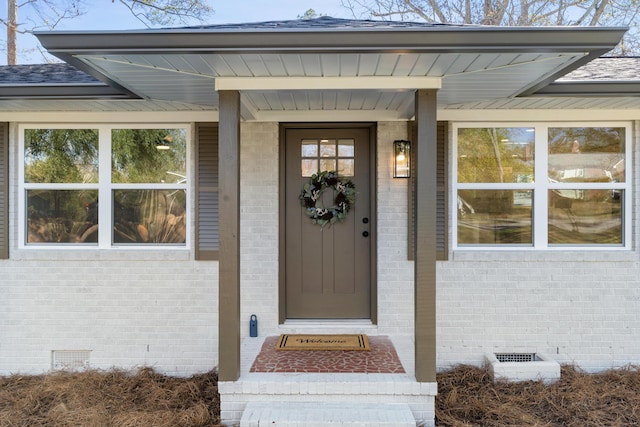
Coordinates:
541 187
104 186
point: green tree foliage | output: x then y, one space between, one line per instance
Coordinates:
499 155
137 155
511 13
61 155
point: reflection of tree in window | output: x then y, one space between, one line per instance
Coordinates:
152 156
61 155
67 156
499 155
137 158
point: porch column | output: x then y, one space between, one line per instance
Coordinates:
425 247
229 256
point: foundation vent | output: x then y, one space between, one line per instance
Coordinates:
70 360
516 357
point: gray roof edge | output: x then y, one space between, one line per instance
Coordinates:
590 89
439 38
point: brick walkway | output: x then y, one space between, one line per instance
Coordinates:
381 359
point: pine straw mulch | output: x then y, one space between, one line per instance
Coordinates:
113 398
468 397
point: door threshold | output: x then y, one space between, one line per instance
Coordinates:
329 326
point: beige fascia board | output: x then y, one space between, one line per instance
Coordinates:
327 83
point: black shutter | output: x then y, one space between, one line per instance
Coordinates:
207 212
442 229
4 190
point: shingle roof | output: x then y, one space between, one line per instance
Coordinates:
54 81
43 74
614 69
323 22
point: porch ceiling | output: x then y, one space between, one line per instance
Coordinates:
466 77
472 64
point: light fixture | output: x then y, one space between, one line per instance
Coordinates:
401 159
164 143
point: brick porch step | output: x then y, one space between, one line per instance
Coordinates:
321 414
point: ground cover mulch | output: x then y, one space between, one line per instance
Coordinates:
467 397
113 398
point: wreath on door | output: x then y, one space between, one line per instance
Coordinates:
311 198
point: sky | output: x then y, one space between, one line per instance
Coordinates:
111 15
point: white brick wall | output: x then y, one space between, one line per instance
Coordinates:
160 313
159 308
395 272
259 226
583 312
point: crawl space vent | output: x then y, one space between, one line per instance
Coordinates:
523 367
516 357
70 360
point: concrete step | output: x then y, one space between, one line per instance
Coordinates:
322 414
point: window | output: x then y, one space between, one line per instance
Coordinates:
542 186
328 155
104 186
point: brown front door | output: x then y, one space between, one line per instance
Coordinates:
328 269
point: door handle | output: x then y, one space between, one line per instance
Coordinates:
365 220
365 234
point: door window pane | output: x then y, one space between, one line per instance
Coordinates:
62 216
148 155
346 167
346 147
309 167
496 155
585 216
61 156
327 164
309 148
328 148
149 216
495 217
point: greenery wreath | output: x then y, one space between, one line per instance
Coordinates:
311 198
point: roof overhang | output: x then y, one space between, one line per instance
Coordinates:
347 71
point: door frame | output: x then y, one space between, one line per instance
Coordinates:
373 173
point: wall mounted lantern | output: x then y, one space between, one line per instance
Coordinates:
401 159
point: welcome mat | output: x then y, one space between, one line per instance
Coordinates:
323 342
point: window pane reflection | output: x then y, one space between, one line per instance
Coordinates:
586 154
346 148
327 164
500 155
585 216
149 155
328 148
309 148
345 167
149 216
309 167
495 217
62 216
61 155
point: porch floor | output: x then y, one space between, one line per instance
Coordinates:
381 359
396 352
350 388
